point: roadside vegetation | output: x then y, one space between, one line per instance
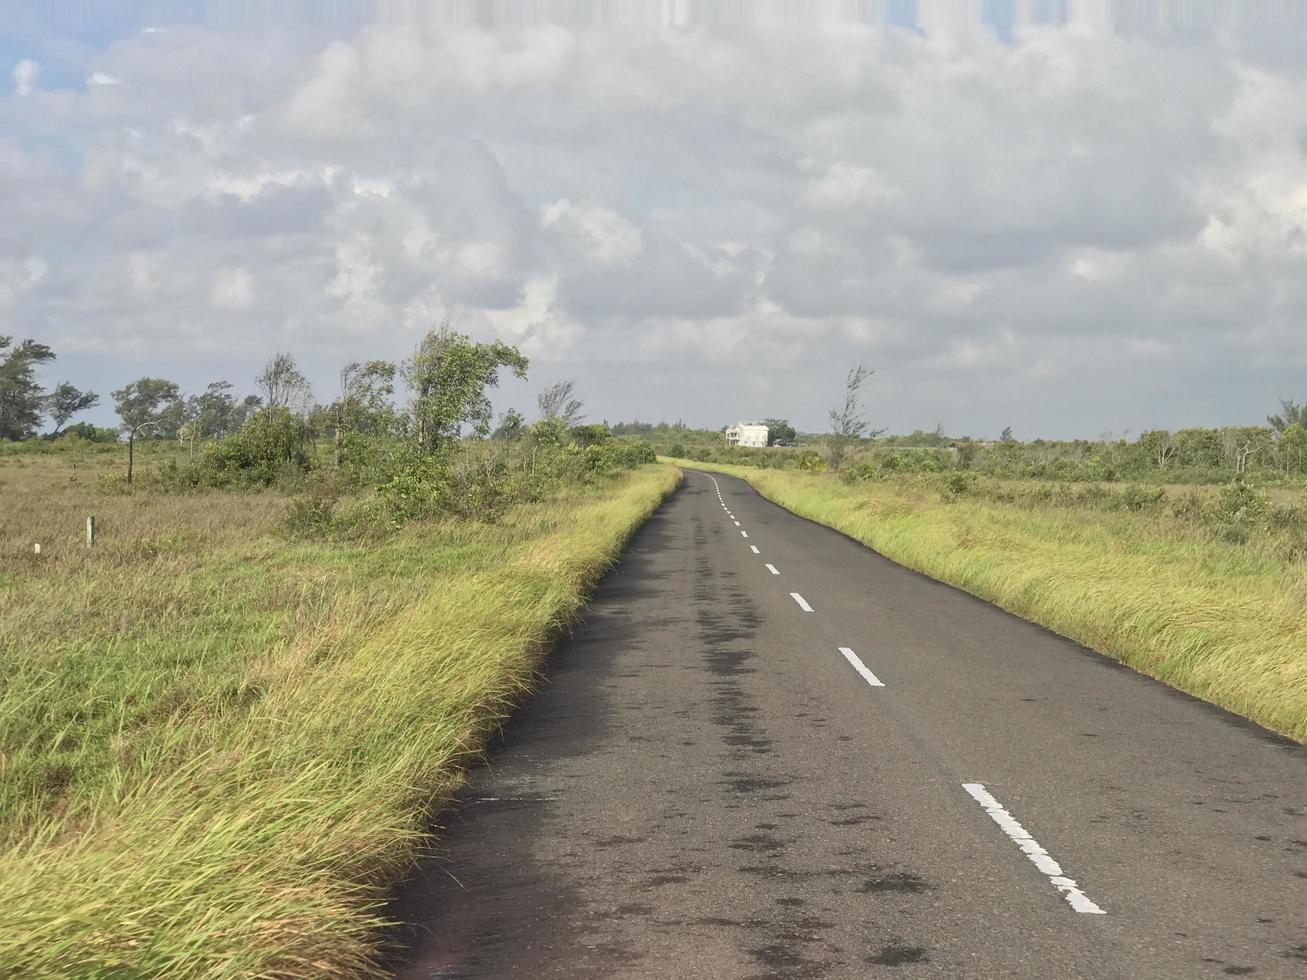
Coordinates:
1181 554
224 728
1204 591
1203 588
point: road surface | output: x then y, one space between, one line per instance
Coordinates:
769 752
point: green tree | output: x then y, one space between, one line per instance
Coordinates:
512 426
1290 414
590 435
65 402
448 375
1198 447
140 406
779 430
556 402
364 400
1159 446
282 385
847 422
215 411
1242 443
21 399
1006 435
1291 448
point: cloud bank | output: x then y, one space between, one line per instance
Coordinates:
1071 229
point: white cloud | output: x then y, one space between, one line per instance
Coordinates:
233 290
688 220
26 74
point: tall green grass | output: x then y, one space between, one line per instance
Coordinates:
219 749
1225 622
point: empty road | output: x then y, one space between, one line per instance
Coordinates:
769 752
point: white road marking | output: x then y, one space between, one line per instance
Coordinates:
773 569
860 667
754 549
744 534
803 603
1039 857
737 523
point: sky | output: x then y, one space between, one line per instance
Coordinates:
1071 217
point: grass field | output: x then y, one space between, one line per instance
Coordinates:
220 745
1225 622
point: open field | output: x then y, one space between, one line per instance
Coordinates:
1226 622
220 745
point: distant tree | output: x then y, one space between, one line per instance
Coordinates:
65 402
1006 435
1159 445
174 417
1241 443
847 422
1199 447
590 435
1291 447
779 430
214 412
1290 414
282 385
448 375
512 426
140 405
556 402
365 390
22 401
91 433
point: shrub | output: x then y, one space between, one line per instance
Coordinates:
590 435
88 432
1239 510
810 462
958 483
1137 498
268 449
309 516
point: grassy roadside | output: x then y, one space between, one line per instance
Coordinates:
219 746
1221 621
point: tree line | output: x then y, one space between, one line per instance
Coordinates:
447 377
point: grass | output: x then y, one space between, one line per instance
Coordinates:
1225 622
220 746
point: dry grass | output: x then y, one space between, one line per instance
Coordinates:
220 746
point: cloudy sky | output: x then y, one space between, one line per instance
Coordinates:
1066 217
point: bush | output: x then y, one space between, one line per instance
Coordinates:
1136 498
268 449
810 462
87 432
310 516
958 483
1240 509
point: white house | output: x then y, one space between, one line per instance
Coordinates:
752 435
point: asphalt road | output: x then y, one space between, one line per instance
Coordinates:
708 786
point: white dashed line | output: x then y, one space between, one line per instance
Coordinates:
754 549
773 569
803 603
1039 857
744 534
860 667
737 523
